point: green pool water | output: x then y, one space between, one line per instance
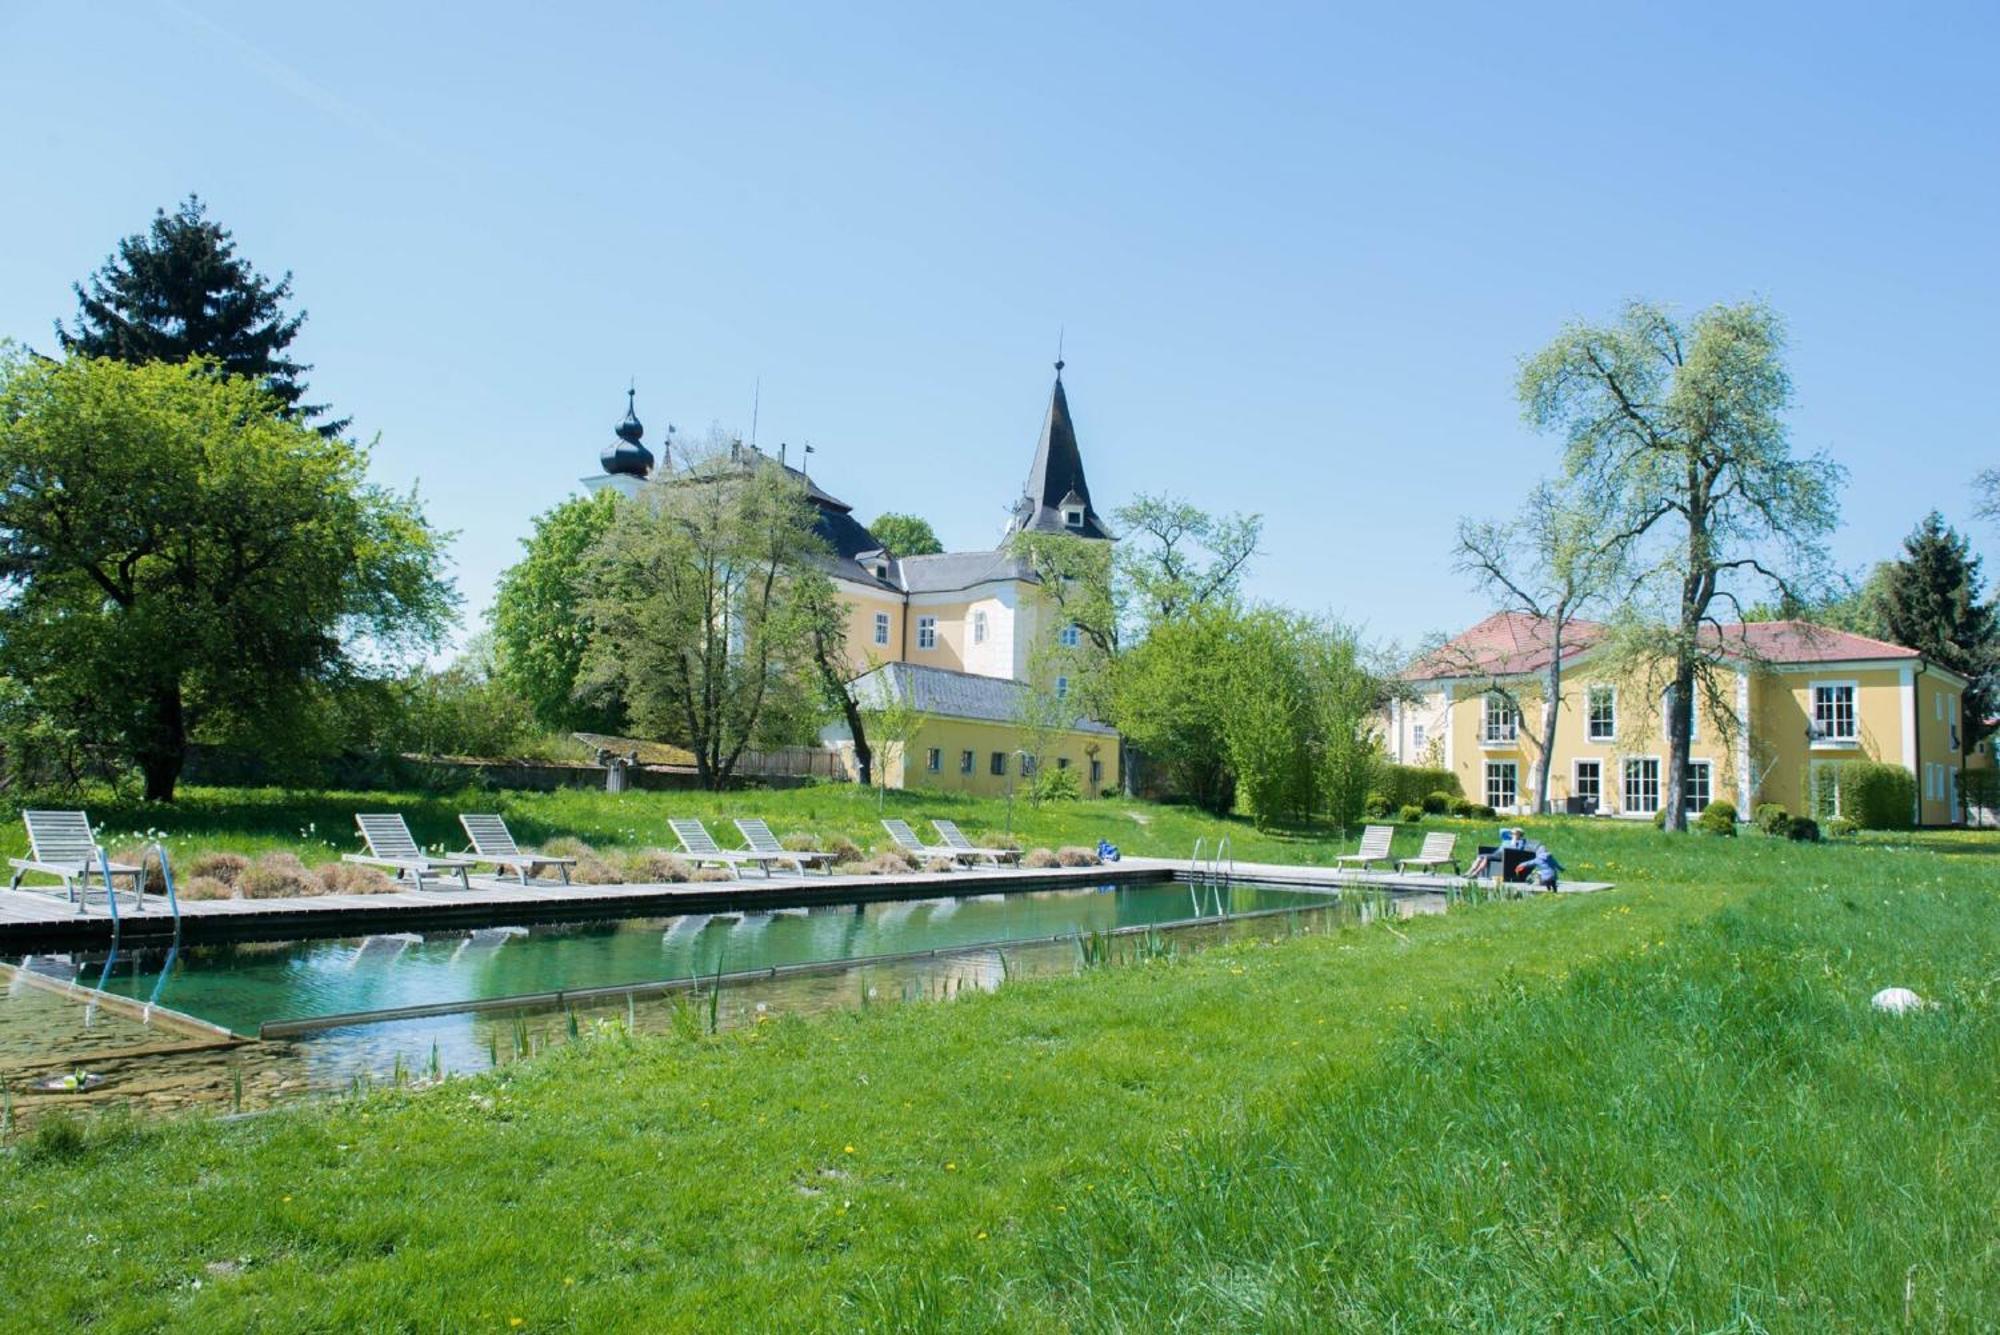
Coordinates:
241 985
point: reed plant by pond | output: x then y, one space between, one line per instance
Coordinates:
1666 1105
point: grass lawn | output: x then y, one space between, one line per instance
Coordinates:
1667 1105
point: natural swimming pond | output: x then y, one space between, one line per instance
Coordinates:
855 955
242 985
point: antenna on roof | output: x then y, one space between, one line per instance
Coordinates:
756 402
1060 330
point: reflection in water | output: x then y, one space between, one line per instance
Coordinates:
242 983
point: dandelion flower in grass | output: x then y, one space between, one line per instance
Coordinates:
848 1150
981 1237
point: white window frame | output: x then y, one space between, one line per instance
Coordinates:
1590 729
927 632
1072 517
1509 732
1576 778
1707 768
979 627
1820 739
934 760
1625 784
1417 737
881 628
1070 636
1495 769
1694 713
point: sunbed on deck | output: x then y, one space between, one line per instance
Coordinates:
61 844
1439 849
1375 841
757 834
493 842
955 839
392 848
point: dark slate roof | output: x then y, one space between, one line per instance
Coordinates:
947 571
1057 474
951 694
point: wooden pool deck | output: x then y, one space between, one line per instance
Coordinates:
32 918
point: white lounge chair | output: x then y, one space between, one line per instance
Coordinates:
955 839
1375 842
493 842
906 839
61 844
758 835
700 848
392 848
1439 849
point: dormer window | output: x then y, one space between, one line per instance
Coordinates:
1073 516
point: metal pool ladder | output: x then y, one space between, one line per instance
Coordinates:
1221 865
159 851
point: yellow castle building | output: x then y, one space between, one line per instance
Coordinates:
952 634
1796 697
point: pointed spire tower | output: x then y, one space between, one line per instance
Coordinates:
1057 498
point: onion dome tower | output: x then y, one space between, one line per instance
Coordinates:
629 457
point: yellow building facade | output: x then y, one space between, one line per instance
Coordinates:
1787 699
979 614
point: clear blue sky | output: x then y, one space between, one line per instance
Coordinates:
1298 254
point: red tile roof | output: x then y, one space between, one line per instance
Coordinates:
1505 644
1803 642
1509 644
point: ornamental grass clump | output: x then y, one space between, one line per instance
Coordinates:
800 843
205 887
1040 859
278 876
223 867
1075 855
651 867
351 878
141 855
843 849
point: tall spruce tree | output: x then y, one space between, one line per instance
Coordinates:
1931 601
178 291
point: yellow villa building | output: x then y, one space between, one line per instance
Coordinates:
952 634
1794 697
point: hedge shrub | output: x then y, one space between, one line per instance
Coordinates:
1874 795
1840 827
1438 804
1410 814
1408 785
1773 819
1803 830
1718 817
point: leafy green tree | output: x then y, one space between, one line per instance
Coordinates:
541 629
1268 721
180 554
1550 562
1346 694
1173 699
906 535
699 599
1933 600
893 720
178 292
1676 431
1174 556
1172 560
